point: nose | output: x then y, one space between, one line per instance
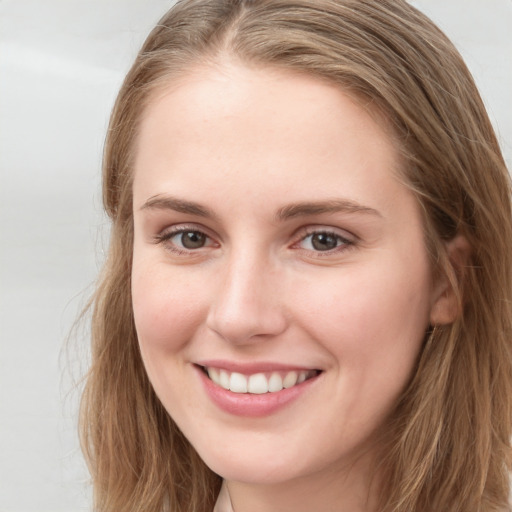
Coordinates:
247 304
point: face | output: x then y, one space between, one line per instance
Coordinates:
275 250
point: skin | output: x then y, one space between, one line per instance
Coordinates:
245 144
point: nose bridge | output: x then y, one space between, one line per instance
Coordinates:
246 306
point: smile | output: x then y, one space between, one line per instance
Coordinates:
258 383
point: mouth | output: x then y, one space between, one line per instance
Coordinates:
257 383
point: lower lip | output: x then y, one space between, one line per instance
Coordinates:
253 405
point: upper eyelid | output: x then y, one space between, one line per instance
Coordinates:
183 227
305 231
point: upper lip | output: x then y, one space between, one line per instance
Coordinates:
252 367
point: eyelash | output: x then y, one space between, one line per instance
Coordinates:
165 238
342 243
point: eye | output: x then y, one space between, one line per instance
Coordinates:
183 240
324 241
190 239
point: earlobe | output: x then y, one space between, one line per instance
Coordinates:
447 299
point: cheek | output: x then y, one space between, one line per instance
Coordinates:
167 313
167 310
372 322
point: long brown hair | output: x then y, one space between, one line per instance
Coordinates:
448 441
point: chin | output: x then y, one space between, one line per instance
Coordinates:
255 472
260 461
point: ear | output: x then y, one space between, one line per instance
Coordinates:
447 303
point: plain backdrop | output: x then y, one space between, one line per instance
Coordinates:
61 63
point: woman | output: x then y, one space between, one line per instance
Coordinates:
307 299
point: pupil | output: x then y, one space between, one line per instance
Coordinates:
324 241
193 240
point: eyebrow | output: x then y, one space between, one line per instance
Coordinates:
287 212
178 205
316 208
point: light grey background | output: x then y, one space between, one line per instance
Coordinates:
61 63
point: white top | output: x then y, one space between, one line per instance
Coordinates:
223 503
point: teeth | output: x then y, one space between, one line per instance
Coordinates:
238 383
224 379
275 383
258 383
213 373
290 380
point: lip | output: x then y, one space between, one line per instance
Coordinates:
252 405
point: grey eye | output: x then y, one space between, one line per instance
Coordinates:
190 239
324 241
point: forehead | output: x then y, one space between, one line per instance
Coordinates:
229 87
245 129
